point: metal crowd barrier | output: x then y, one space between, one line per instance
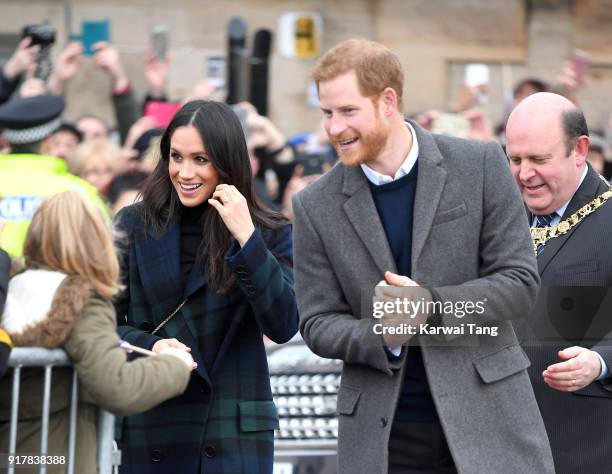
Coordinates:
108 456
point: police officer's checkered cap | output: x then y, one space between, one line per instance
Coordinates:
30 119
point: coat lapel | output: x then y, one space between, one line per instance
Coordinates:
430 183
196 279
362 214
159 270
590 188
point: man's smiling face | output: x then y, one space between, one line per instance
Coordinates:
353 122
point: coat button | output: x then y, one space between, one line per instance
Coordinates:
567 304
146 326
383 422
156 455
209 451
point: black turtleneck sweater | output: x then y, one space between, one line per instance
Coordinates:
191 238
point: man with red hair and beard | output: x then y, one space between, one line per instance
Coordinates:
415 217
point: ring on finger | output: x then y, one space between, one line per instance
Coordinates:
573 382
225 199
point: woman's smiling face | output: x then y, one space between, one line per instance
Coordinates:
192 173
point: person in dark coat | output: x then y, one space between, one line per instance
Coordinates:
5 350
5 269
5 340
569 336
208 270
13 70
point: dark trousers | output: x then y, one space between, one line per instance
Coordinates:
419 448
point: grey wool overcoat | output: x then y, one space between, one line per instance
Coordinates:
470 242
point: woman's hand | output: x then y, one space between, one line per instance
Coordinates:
165 343
182 355
173 347
234 210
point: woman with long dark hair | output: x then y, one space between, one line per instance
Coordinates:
207 270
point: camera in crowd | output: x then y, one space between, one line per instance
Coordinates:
42 34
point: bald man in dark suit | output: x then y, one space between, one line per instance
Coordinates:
569 341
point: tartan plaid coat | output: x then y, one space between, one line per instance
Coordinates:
225 420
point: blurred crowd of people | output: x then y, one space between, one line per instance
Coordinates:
117 160
467 118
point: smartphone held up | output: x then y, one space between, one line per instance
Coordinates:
159 41
477 79
94 31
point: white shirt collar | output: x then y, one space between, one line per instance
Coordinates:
559 212
377 178
562 209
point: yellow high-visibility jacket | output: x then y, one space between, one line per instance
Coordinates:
25 181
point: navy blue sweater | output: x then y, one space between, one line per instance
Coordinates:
395 202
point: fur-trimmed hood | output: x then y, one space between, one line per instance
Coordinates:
42 307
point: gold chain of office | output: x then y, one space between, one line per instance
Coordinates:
541 235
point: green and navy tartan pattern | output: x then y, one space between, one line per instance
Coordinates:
224 421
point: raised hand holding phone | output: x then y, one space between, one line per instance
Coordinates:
477 80
22 59
107 58
159 41
580 65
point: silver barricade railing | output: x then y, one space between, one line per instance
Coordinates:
108 456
